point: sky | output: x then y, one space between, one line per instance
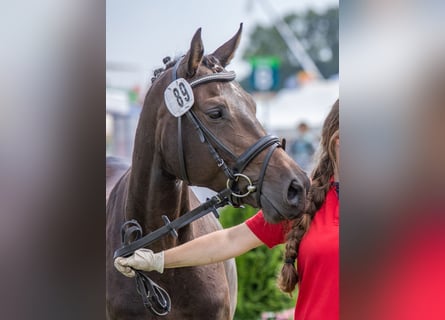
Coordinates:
140 33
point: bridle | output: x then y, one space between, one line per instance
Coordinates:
155 298
235 173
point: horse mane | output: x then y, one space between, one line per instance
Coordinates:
209 61
168 63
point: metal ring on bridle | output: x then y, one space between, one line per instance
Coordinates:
250 188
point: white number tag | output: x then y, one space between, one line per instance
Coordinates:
179 97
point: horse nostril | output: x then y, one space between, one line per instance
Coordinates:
294 191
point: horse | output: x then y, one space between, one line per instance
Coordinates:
216 143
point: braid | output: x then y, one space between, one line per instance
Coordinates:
168 63
288 277
209 61
320 185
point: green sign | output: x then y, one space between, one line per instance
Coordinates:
264 76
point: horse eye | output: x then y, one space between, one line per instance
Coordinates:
215 114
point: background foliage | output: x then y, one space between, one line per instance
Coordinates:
318 34
257 273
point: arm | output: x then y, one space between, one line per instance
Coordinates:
213 247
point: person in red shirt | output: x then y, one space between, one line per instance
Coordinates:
312 240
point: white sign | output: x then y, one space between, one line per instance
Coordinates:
117 101
263 78
179 97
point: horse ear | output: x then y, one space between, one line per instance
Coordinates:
195 54
226 52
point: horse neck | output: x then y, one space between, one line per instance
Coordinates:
152 192
153 195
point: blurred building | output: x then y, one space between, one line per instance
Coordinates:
309 102
122 114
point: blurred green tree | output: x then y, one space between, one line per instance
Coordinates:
257 273
317 32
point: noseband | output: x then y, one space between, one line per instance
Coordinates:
234 174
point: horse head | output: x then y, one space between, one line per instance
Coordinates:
208 134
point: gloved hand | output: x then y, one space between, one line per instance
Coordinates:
141 259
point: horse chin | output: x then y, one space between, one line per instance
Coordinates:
272 214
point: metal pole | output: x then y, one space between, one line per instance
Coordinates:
291 41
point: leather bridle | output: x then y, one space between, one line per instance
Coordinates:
206 136
155 298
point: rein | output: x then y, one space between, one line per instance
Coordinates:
155 298
131 228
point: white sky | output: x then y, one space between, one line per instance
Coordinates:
139 33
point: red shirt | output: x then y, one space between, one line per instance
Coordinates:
318 259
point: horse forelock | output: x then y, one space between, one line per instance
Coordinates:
212 63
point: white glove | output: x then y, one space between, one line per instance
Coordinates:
141 259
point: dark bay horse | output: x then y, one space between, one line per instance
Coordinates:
172 152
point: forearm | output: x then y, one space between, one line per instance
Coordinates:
213 247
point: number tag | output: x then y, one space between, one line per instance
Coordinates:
179 97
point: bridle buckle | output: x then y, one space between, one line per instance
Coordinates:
250 187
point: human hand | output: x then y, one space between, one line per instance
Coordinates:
141 259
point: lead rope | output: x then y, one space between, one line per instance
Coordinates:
155 298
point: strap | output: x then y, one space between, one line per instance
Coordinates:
254 150
210 135
203 132
220 76
220 161
155 298
175 69
181 154
217 201
263 173
130 228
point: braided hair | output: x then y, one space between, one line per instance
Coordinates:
168 63
327 164
209 61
